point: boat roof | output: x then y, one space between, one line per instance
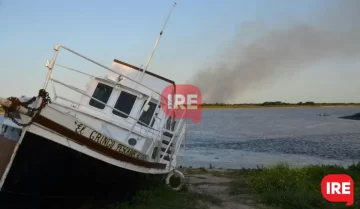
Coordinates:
147 72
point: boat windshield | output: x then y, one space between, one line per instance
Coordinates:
102 93
124 103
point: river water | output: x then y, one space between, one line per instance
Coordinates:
236 138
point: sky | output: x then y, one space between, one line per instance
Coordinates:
197 33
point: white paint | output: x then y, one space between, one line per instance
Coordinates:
69 122
147 80
55 137
112 129
104 121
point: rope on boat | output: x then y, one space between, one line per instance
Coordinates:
13 106
178 174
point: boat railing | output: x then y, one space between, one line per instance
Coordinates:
160 127
50 65
175 136
181 137
99 101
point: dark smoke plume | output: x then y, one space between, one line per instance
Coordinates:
278 52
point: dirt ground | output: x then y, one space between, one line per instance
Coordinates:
219 187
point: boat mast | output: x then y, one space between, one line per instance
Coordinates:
156 43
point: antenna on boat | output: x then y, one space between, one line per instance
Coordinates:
157 42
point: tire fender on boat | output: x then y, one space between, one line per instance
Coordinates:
178 174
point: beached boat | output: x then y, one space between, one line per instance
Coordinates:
114 139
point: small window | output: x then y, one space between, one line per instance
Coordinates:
132 141
124 103
146 116
102 93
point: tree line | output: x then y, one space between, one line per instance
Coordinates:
276 103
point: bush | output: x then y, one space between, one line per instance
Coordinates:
299 188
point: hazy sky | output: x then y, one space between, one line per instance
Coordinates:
197 34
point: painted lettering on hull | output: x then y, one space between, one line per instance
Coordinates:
107 142
101 139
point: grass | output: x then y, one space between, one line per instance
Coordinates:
162 197
279 187
1 110
293 188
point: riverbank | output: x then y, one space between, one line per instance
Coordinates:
279 187
352 117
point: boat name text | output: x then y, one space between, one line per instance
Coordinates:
107 142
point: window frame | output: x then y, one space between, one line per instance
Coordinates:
132 108
155 112
91 100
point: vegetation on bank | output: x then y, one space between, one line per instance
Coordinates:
279 187
275 104
162 197
298 188
1 110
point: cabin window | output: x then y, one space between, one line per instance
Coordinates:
102 93
124 103
146 116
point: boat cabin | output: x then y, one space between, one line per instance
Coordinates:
126 96
118 101
120 109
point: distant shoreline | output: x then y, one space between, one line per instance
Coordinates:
253 106
244 106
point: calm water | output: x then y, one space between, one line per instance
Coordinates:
249 137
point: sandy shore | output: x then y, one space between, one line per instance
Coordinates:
216 183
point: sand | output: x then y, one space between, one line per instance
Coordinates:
219 187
